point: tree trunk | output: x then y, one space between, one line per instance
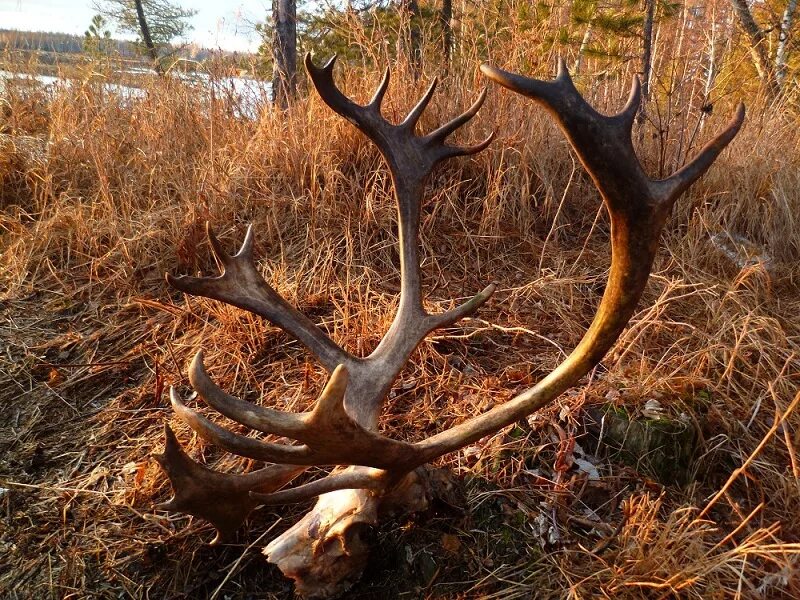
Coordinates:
758 49
152 51
587 37
446 17
647 46
411 10
783 42
284 52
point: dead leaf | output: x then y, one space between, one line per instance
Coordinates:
451 543
54 377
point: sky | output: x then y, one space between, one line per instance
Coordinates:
226 24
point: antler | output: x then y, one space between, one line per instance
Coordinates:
329 435
241 285
411 159
638 207
339 430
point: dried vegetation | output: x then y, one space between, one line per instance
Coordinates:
100 196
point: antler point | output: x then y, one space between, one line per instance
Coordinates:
170 279
197 362
246 249
175 400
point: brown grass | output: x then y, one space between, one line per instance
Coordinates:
103 196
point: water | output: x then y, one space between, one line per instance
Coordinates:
249 95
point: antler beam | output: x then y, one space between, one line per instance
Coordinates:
241 285
638 207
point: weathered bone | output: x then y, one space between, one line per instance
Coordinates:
326 550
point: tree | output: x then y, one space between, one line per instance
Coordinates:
771 68
284 51
647 46
96 39
758 45
411 14
157 22
783 41
446 19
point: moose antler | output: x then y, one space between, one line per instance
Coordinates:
324 550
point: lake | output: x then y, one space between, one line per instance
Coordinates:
252 94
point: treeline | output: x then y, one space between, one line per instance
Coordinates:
64 43
707 47
59 43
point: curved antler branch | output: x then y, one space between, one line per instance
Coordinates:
604 146
674 186
350 479
330 436
241 285
410 159
340 429
637 206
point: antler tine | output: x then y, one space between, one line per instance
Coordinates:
637 207
453 151
672 187
357 478
328 433
223 499
239 444
245 251
256 417
410 122
216 247
241 285
377 98
604 146
627 116
438 135
322 78
464 310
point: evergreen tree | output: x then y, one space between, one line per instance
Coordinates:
157 22
96 38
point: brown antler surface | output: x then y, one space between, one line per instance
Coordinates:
638 208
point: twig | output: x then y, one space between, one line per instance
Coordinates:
236 563
735 475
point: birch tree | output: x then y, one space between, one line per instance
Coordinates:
783 42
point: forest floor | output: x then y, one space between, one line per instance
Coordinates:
671 471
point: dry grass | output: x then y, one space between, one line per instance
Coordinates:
103 196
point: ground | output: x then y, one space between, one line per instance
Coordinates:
590 497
